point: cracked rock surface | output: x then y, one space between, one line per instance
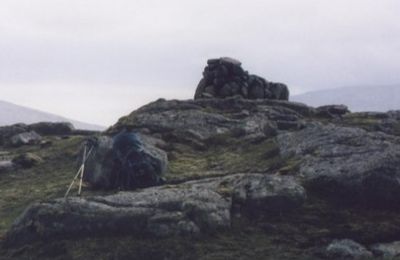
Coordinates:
346 164
203 206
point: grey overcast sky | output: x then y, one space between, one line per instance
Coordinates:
97 60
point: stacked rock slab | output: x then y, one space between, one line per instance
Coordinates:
225 77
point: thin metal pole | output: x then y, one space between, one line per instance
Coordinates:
83 170
72 183
78 173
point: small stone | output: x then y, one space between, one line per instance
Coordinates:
347 249
45 143
6 166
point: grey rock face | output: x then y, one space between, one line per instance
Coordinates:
225 77
103 169
196 121
387 250
257 193
203 123
347 249
189 208
349 165
25 138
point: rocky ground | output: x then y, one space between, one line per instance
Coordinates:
245 177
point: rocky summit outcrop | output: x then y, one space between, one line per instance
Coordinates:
203 206
195 121
335 159
225 77
240 152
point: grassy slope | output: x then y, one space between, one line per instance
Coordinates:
47 180
295 235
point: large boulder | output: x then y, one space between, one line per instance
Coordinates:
26 138
190 208
224 77
121 163
348 165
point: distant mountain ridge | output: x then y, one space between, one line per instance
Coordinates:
11 114
359 98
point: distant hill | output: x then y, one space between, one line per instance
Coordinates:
11 114
368 98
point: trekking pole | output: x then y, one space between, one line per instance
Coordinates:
72 183
83 170
79 172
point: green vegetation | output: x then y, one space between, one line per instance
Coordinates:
225 154
367 123
45 181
